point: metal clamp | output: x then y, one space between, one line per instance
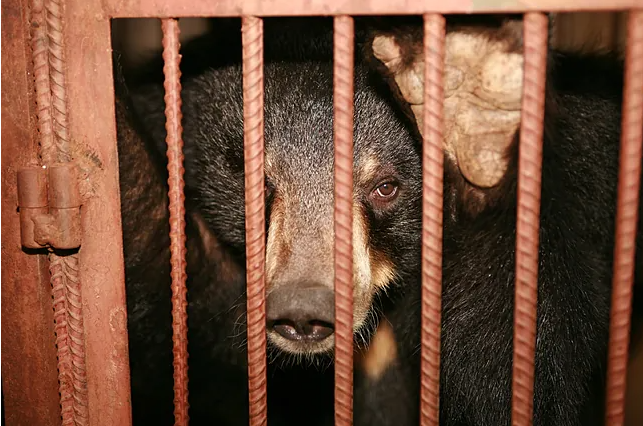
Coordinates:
49 202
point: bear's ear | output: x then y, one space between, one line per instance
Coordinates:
483 79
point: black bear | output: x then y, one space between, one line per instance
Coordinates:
482 112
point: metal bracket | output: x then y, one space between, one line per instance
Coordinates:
49 203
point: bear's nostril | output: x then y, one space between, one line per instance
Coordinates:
318 330
313 331
286 329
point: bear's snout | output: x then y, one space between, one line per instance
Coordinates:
301 314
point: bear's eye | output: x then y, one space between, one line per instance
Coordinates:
386 191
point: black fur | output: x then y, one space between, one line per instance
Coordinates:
577 226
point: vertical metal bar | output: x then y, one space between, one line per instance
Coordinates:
344 34
91 122
432 198
40 55
626 221
29 378
49 155
176 184
528 221
51 96
253 137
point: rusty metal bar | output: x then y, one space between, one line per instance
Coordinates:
91 122
70 338
344 35
174 139
266 8
49 154
432 188
528 222
29 378
49 62
48 54
253 137
40 54
626 222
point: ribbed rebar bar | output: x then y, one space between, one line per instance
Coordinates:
432 181
40 57
629 182
56 57
528 220
49 74
174 139
343 130
253 132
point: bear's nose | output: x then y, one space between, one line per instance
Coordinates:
305 314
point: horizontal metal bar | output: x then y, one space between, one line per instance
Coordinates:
266 8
